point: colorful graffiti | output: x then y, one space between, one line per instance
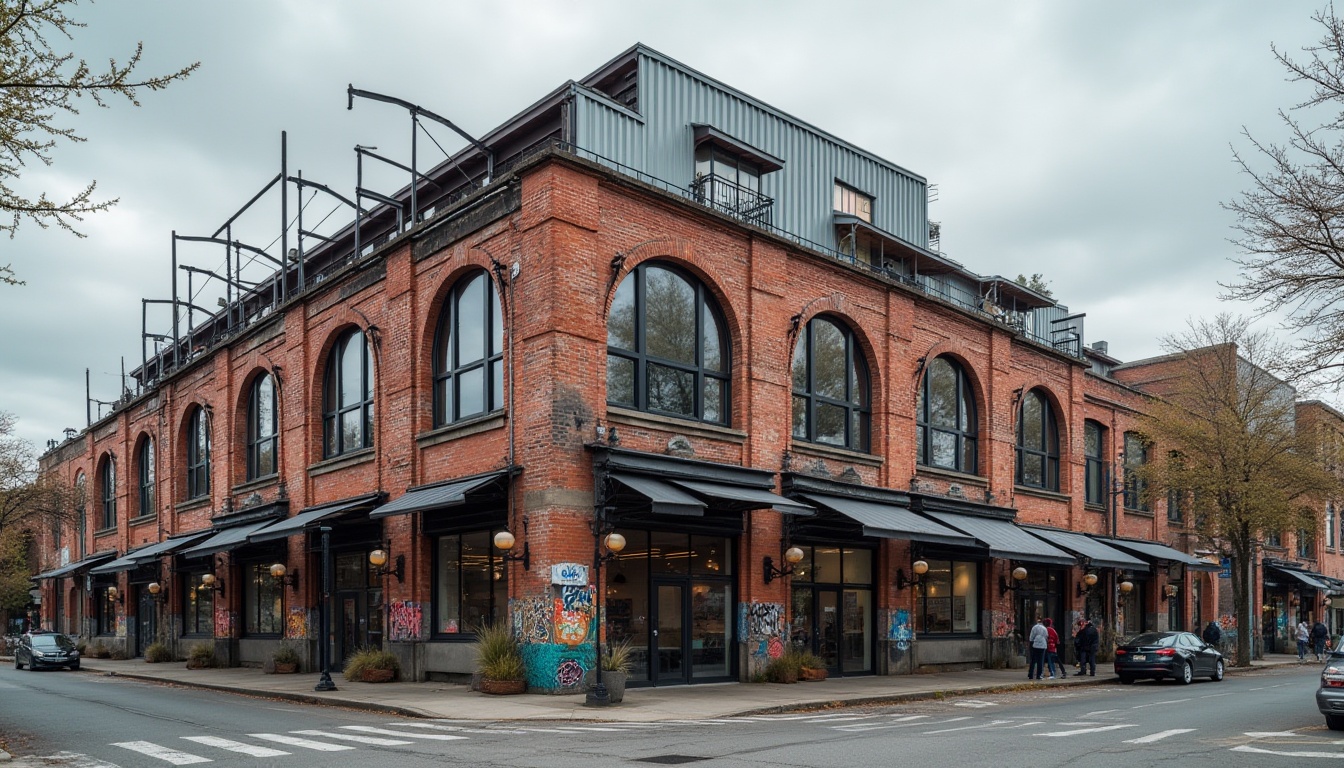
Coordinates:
757 619
899 631
774 648
531 619
569 674
1003 623
223 621
121 627
573 615
404 621
296 624
551 666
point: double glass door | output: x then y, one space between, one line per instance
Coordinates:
358 606
691 630
835 624
146 619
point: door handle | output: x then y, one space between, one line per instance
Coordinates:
655 633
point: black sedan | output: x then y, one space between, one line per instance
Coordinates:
45 649
1180 656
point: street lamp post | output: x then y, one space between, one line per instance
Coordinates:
613 543
324 641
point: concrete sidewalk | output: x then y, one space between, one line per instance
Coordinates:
684 702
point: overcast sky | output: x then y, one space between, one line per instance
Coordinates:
1089 142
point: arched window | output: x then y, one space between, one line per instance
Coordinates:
82 508
1136 487
830 387
198 454
1037 443
347 418
145 459
945 418
107 479
262 428
469 352
1094 454
666 349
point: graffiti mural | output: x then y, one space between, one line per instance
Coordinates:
761 619
121 627
404 621
1003 623
296 624
774 648
556 668
223 621
899 632
531 619
573 615
569 674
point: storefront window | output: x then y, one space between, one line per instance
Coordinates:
199 612
471 584
105 611
949 602
263 611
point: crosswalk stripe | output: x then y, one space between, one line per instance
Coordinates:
374 740
295 741
236 746
1079 731
166 754
1160 735
387 732
990 724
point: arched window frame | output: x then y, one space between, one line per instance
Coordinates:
335 414
263 431
1038 445
809 403
198 454
82 508
145 475
641 362
1094 460
1136 488
480 380
964 433
107 481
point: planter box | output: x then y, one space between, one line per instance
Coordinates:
289 669
503 687
812 675
377 675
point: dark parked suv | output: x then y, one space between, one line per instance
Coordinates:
45 649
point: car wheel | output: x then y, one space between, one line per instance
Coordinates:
1126 679
1186 674
74 667
1217 671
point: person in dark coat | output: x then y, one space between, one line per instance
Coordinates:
1089 640
1213 634
1319 635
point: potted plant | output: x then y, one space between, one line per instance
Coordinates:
811 668
201 656
372 665
499 660
157 653
285 658
616 669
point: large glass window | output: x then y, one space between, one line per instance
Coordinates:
104 610
107 478
851 201
1176 505
1330 524
666 350
471 583
469 352
945 418
949 598
1306 544
198 454
347 423
1136 455
263 609
146 462
1094 446
198 610
1037 443
82 509
830 387
262 428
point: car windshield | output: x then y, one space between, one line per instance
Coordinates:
1161 639
52 641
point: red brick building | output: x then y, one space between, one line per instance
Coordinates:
576 341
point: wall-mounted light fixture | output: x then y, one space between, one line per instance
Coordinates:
920 567
1019 575
156 590
115 596
282 574
1327 601
505 541
1090 579
210 582
1126 587
792 556
1170 591
378 559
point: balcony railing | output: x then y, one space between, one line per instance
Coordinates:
733 199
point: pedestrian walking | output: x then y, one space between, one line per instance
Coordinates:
1038 639
1303 637
1089 641
1213 634
1077 644
1052 650
1319 636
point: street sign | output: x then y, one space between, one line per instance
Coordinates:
1226 573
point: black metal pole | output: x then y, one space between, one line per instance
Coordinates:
324 647
597 696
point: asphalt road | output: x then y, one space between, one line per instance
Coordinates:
1265 718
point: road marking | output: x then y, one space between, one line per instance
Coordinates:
1080 731
990 724
1269 734
900 722
1082 722
1024 725
459 728
76 760
166 754
374 740
1258 751
975 704
403 734
1160 735
1157 703
295 741
236 746
1215 695
1101 712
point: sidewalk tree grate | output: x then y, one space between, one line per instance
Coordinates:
670 759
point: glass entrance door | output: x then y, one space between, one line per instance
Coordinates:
669 639
146 620
691 637
357 620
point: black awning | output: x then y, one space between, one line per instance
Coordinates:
1308 579
743 496
1154 552
1097 553
225 540
664 498
79 565
1005 539
283 529
437 496
886 521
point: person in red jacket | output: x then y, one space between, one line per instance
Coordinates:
1052 650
